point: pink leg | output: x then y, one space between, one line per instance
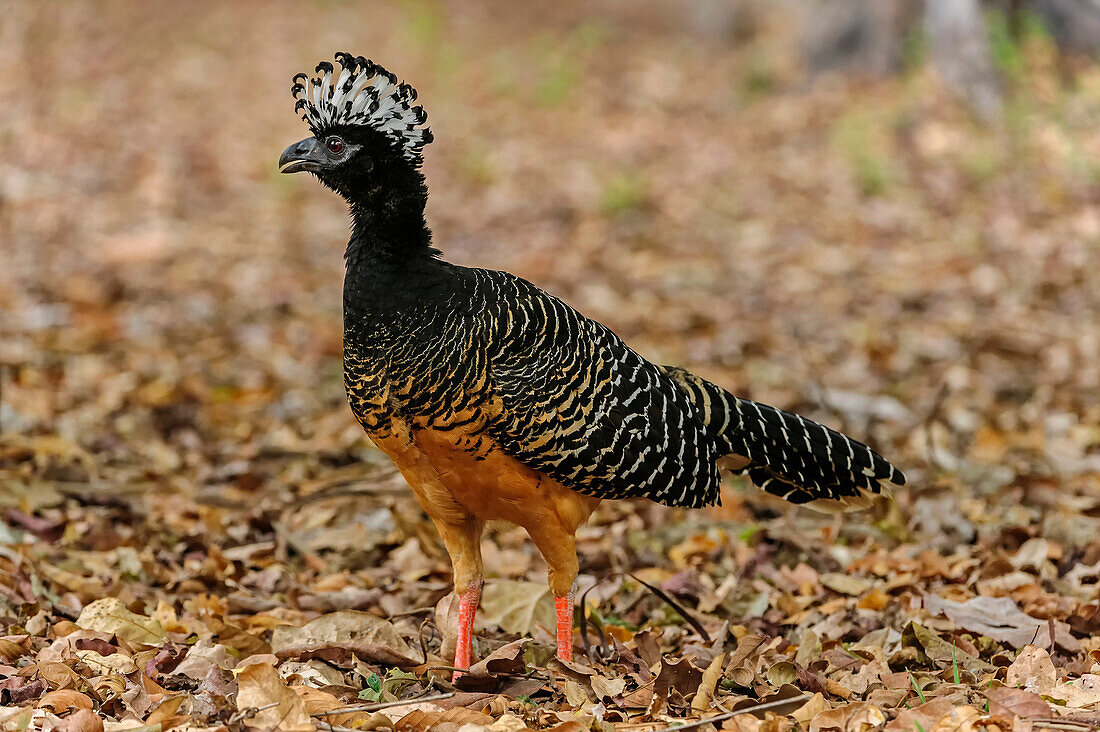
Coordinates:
467 609
564 606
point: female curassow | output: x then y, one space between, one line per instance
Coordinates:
499 401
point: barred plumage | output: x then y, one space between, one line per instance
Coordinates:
565 395
499 401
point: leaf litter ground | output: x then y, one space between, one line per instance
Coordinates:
194 533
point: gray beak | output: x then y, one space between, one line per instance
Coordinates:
303 155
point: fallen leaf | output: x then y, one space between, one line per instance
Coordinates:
959 719
701 702
517 607
446 620
418 721
259 685
1033 670
607 688
922 716
680 676
109 615
82 720
165 713
1078 693
1001 620
506 660
10 650
64 700
114 663
857 717
744 723
808 711
1016 702
367 636
575 694
940 651
846 584
508 723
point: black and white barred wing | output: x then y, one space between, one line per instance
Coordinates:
581 407
786 454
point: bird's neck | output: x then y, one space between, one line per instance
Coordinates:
388 226
389 256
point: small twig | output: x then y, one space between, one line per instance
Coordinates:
446 668
675 606
583 624
420 634
603 651
385 705
250 711
746 710
1066 724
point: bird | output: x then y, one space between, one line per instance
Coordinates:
497 400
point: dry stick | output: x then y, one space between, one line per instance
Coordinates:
420 635
249 712
604 648
675 606
524 675
384 705
746 710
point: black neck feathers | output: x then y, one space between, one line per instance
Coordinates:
387 213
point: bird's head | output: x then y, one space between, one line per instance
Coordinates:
366 130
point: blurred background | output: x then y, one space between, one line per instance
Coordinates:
880 213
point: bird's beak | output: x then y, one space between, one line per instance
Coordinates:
303 155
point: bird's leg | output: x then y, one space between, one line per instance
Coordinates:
564 606
463 542
467 609
558 548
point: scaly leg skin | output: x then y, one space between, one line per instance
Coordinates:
558 548
467 609
463 541
564 606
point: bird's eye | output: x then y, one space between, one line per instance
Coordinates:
334 144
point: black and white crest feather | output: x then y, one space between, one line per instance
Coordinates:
362 93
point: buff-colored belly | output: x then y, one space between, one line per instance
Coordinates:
456 472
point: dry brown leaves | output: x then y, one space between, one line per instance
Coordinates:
194 533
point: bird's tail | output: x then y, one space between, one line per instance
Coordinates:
787 455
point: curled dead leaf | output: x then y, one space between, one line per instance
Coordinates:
701 702
505 661
64 700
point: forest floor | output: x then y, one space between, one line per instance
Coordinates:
194 533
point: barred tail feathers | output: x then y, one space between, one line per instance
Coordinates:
788 455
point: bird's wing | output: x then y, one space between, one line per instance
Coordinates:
575 403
